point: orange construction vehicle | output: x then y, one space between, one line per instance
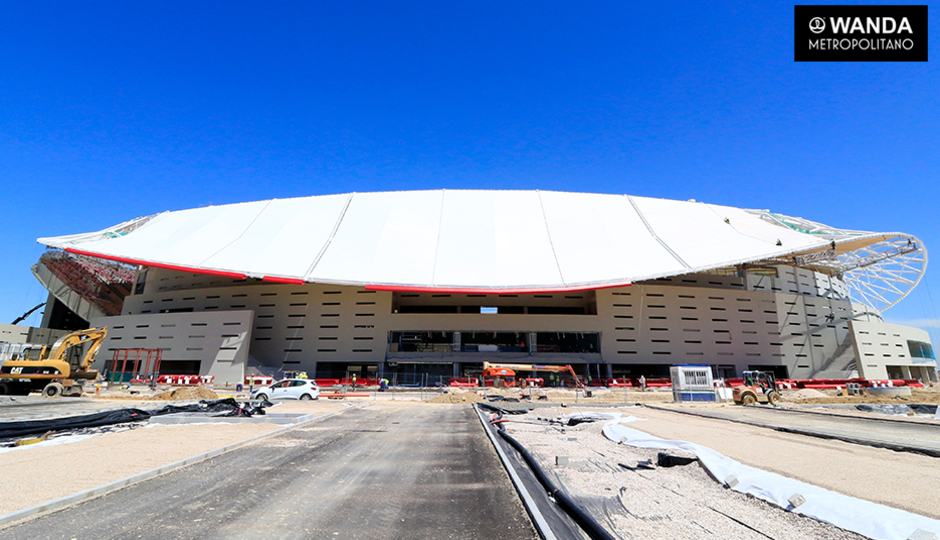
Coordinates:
506 371
759 387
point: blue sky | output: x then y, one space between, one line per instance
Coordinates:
114 110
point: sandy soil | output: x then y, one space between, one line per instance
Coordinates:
457 398
899 479
928 396
37 474
190 392
811 407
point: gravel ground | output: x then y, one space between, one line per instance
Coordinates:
663 503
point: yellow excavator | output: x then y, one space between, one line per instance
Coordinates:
60 370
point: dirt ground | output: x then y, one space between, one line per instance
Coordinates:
189 392
927 396
457 397
605 396
613 396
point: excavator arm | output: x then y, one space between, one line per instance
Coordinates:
94 337
54 374
537 367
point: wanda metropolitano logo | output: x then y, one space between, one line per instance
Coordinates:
817 25
860 33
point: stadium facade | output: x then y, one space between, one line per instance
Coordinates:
404 284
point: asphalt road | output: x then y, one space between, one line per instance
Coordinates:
373 472
887 433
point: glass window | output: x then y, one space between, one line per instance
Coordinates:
141 281
920 349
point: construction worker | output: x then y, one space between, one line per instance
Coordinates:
354 382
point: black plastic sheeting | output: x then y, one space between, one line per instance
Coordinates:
668 460
227 407
501 410
587 522
493 397
575 420
107 418
562 499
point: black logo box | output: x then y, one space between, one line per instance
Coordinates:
822 43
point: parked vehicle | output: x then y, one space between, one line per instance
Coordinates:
302 389
758 387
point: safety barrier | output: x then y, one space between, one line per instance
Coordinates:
348 381
463 382
259 380
618 383
786 384
185 380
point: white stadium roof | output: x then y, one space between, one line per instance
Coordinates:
483 241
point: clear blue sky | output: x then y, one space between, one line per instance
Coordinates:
110 111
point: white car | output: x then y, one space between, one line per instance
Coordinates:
302 389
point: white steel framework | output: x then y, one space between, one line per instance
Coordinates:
879 273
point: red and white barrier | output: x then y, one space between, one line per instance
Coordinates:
185 380
258 380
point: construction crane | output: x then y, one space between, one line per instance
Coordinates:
508 370
27 314
59 371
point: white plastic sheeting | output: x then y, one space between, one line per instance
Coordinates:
450 239
867 518
65 439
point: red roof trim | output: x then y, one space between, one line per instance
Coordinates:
234 275
530 290
274 279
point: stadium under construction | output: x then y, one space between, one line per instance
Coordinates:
409 284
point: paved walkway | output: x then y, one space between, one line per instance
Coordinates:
380 471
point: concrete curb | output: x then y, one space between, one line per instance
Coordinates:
836 413
541 525
88 494
817 434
